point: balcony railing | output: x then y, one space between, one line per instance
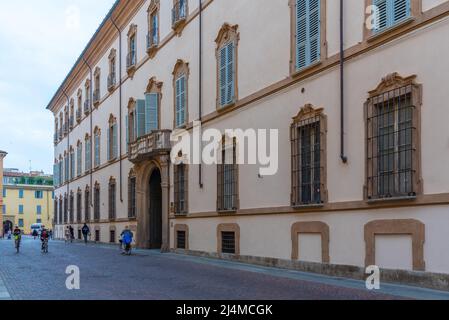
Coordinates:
87 106
150 145
131 60
97 96
179 12
152 41
111 81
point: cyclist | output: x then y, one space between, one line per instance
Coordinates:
44 240
127 239
17 233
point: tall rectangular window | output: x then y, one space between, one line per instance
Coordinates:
228 178
180 101
4 192
112 200
87 205
21 193
21 224
79 152
390 13
227 75
72 165
308 32
78 207
392 128
97 203
151 112
39 210
180 188
112 142
87 153
4 209
97 149
38 194
132 197
20 208
72 208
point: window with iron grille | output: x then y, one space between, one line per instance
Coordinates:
78 206
97 203
132 197
393 139
66 209
72 207
180 188
228 177
112 200
112 236
181 240
308 138
97 235
228 242
87 205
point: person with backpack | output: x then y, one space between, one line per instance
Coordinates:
127 239
85 231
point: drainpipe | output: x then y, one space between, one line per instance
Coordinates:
200 84
343 157
120 104
68 146
91 124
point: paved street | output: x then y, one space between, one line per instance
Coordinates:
105 274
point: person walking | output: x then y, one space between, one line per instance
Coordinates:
85 231
72 234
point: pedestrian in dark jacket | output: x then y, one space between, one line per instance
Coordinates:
85 231
72 233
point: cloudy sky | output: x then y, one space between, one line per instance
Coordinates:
39 43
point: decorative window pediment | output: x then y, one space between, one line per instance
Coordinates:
226 34
154 86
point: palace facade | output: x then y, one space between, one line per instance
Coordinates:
356 93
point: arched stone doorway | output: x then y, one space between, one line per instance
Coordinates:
155 209
7 225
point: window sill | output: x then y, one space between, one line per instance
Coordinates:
297 72
225 108
387 31
308 206
392 199
232 211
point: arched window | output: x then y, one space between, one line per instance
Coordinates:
308 145
97 137
112 199
97 83
227 57
79 154
112 138
131 58
88 153
180 89
153 27
112 77
97 202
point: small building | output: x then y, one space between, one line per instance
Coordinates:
27 199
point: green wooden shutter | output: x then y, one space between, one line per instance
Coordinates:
151 112
140 118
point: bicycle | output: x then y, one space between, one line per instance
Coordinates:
17 243
45 246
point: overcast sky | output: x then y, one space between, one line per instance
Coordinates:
39 43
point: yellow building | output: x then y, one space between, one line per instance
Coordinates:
27 199
2 155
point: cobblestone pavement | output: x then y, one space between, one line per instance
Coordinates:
106 274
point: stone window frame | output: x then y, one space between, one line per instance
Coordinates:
132 207
112 199
311 227
412 227
87 94
391 83
181 160
79 158
153 10
323 40
97 202
79 97
72 207
155 86
97 133
181 69
87 204
306 113
228 33
179 25
228 227
181 227
112 76
72 163
112 234
225 146
131 67
112 122
66 208
72 114
79 201
97 86
370 35
87 140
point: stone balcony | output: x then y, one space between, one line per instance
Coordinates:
149 146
